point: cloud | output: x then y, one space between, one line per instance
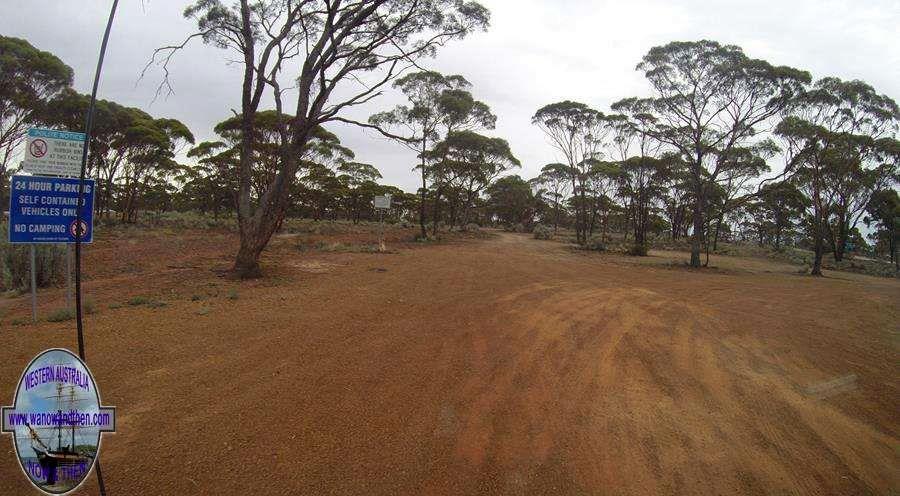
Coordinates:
536 52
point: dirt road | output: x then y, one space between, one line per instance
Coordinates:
498 366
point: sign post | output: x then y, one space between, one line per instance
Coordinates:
68 276
33 286
381 203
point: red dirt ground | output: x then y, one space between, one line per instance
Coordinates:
482 366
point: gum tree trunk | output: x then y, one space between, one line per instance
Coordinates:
696 240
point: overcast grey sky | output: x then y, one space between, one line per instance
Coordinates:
536 52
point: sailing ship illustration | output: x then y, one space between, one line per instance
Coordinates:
72 459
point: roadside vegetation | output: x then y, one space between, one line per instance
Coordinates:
724 149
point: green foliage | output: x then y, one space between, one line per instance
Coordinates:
596 243
347 41
15 264
140 300
542 232
883 211
511 200
61 315
841 149
577 132
708 105
638 250
132 153
29 77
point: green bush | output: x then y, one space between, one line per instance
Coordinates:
638 250
61 315
140 300
543 232
594 244
15 264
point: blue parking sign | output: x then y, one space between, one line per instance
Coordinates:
42 210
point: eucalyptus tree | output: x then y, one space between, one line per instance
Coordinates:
320 189
511 200
710 99
840 147
740 168
601 182
28 78
316 46
152 145
883 213
577 132
206 186
460 112
130 149
322 146
359 180
469 162
779 206
554 179
642 182
419 123
117 136
643 172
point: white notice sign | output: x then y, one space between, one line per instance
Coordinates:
383 202
54 153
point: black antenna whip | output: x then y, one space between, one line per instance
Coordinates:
89 123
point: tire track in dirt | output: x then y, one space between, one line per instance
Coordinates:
500 366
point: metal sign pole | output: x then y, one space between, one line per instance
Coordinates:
33 286
68 276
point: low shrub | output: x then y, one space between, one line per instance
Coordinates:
61 315
471 227
543 232
594 244
139 300
15 265
637 250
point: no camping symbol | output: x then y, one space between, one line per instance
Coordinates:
76 226
38 148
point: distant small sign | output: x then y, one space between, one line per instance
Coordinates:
54 153
42 210
382 202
